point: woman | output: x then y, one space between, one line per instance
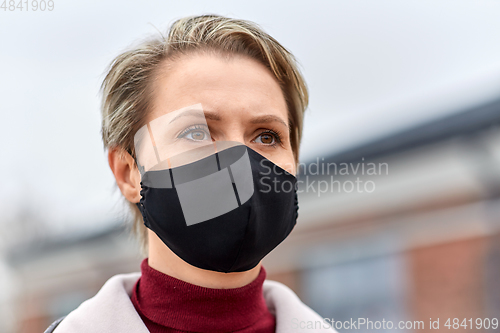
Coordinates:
203 129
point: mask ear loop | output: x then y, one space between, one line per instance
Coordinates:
139 166
141 171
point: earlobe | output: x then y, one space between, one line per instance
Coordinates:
126 174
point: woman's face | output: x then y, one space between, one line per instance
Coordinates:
241 99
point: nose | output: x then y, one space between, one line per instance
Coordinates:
233 133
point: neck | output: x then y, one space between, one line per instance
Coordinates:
164 260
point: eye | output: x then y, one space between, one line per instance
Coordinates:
268 138
195 133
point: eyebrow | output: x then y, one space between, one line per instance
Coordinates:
268 118
196 113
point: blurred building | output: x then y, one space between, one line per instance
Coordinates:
50 278
404 228
409 231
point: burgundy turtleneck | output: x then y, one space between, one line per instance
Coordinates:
167 304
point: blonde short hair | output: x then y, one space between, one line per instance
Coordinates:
127 93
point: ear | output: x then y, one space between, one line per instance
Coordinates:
126 174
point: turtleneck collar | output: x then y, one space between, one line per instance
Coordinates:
165 301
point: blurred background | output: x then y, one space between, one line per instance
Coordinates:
400 162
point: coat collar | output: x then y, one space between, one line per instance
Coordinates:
111 310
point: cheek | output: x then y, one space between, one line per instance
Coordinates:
291 167
286 161
290 164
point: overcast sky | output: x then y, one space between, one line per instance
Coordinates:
372 67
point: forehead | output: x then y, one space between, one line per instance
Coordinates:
228 85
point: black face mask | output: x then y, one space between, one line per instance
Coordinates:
222 213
